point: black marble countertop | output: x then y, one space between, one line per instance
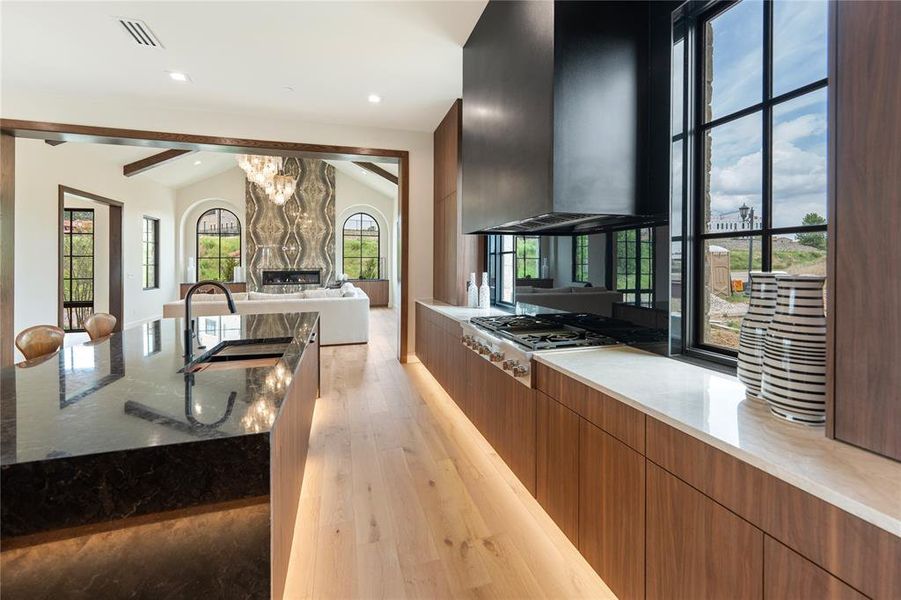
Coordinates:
126 392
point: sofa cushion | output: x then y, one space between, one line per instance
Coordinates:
323 293
347 289
559 290
588 290
217 297
524 289
268 296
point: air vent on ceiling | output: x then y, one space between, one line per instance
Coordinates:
139 32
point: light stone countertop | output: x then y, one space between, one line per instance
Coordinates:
711 406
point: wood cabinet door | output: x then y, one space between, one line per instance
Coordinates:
557 457
790 576
696 548
612 510
517 426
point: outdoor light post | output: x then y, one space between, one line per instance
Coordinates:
747 215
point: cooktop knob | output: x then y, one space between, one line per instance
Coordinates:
520 371
509 364
497 356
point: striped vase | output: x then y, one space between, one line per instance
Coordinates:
753 331
794 353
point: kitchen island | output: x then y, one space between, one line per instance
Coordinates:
124 476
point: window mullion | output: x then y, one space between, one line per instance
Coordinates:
766 256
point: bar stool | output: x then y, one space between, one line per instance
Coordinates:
99 325
40 340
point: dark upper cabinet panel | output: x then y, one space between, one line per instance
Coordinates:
600 74
507 114
559 98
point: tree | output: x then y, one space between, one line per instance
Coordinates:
814 239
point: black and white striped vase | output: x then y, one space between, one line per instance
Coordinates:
794 352
761 307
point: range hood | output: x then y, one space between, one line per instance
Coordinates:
557 109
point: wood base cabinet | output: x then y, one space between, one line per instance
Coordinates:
696 548
557 480
612 511
789 576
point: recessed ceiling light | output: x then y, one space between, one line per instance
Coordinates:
177 76
197 162
374 98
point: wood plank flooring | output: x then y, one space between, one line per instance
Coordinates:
403 498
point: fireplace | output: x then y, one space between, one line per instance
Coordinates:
292 277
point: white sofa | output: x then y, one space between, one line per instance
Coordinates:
342 319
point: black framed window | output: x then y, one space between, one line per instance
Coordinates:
528 257
634 251
361 259
502 268
580 258
218 245
78 267
150 266
749 151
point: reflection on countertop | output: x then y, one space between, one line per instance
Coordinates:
126 392
712 407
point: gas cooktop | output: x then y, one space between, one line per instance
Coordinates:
535 333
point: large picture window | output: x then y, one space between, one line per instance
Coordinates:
635 265
528 257
218 245
361 247
755 138
580 258
150 267
78 266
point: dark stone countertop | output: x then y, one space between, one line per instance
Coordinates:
126 392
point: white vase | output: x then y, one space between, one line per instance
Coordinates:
484 292
794 353
753 331
472 292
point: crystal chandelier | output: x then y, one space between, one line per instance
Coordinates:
268 173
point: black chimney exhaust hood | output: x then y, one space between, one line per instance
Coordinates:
556 117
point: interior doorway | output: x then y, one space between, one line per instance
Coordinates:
90 258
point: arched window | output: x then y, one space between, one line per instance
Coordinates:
218 245
361 247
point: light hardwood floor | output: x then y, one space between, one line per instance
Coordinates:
403 498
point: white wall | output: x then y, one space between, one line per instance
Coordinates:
149 115
101 248
351 197
40 169
225 190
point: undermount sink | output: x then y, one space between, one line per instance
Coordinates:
241 354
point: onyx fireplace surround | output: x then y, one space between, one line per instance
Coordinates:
291 277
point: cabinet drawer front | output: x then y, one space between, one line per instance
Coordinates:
616 418
861 554
557 481
789 576
696 548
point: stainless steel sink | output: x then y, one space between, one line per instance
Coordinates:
241 354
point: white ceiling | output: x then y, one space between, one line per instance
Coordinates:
184 171
241 56
368 178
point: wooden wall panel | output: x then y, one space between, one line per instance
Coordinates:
790 576
866 221
7 247
455 254
697 548
861 554
376 289
612 511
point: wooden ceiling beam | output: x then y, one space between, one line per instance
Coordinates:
374 168
145 164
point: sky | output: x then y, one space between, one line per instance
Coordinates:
799 125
